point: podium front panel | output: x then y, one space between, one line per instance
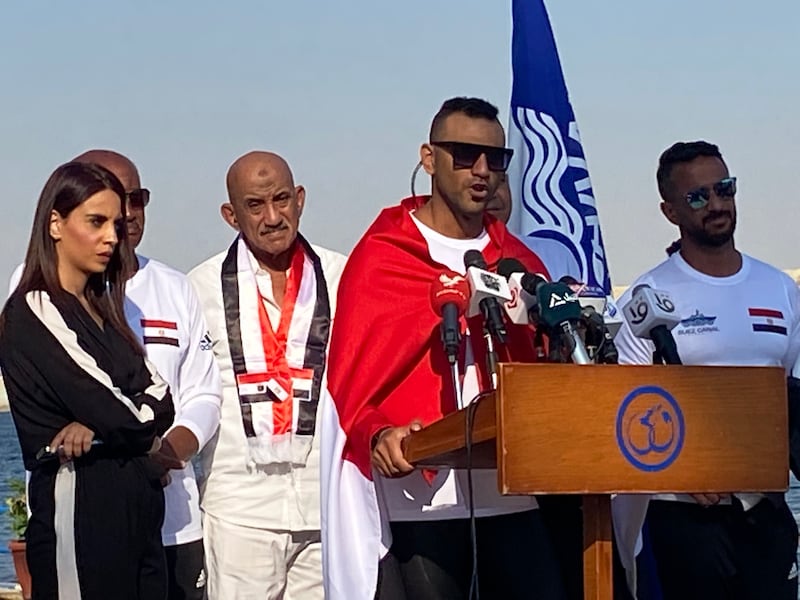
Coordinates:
600 429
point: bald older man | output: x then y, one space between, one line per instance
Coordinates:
499 205
162 308
269 301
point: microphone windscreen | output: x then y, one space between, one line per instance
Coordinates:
473 258
507 266
450 288
531 282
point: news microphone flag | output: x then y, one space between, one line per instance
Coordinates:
554 211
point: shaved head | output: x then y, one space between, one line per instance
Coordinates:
264 205
119 165
128 175
256 165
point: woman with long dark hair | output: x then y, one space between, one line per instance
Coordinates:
87 406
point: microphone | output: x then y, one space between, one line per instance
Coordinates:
599 337
449 299
587 295
523 307
486 288
560 309
612 317
593 305
651 316
597 299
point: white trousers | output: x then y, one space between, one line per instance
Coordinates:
243 563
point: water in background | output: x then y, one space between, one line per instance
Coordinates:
11 466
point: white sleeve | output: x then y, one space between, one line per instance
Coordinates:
13 282
792 362
199 386
632 350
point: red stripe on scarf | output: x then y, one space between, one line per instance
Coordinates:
275 344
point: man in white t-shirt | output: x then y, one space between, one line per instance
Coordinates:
163 310
389 375
736 310
269 300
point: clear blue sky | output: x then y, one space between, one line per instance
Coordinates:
346 90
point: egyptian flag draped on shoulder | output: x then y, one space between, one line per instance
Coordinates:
278 372
386 367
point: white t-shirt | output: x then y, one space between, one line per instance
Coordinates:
163 310
751 318
278 497
411 498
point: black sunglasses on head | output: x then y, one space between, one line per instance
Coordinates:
466 155
724 188
138 198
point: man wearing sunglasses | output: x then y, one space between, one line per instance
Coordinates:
736 311
388 375
163 310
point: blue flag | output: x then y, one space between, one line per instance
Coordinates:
554 210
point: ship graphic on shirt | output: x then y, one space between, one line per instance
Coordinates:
697 323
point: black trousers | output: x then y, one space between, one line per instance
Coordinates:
432 560
106 515
563 517
723 552
186 578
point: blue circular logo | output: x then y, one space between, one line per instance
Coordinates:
650 428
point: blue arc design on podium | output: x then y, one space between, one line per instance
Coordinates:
650 428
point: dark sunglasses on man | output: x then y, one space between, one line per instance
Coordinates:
138 198
466 155
724 188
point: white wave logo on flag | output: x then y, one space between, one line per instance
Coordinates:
554 210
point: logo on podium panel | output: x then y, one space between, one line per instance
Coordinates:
650 428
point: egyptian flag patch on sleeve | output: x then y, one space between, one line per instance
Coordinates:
767 320
159 332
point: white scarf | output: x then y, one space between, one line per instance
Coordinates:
278 397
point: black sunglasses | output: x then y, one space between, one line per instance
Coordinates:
724 188
138 198
466 155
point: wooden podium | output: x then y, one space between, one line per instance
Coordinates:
598 430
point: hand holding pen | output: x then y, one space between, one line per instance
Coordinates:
72 441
